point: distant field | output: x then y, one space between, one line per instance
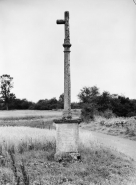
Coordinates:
32 118
28 113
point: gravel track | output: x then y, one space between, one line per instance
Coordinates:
126 146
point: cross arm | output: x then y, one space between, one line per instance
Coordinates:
65 21
60 21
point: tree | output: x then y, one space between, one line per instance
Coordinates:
61 98
88 97
88 94
52 103
104 102
61 101
6 84
87 112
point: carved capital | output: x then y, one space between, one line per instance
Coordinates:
67 44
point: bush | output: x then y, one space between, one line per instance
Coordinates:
108 114
131 127
87 113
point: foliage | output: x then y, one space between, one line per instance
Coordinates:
61 101
107 104
6 85
46 104
107 114
88 94
123 107
131 127
20 104
104 102
87 112
91 99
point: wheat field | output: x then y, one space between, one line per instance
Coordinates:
16 135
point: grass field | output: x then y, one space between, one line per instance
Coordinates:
34 149
32 118
28 113
27 155
123 127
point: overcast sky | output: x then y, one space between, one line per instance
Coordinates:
103 52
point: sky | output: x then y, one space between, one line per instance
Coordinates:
103 51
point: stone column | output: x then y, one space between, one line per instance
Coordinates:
67 129
67 83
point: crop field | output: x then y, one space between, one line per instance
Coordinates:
27 148
32 118
28 113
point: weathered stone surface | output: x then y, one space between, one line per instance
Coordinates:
67 83
67 129
67 86
67 137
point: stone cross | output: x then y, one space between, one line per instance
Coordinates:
67 129
67 84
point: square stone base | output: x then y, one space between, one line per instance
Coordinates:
67 138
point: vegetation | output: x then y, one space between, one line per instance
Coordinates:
27 161
105 122
32 118
46 104
6 85
27 154
91 102
119 126
94 103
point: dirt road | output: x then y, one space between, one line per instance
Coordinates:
123 145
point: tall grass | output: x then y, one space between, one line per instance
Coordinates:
36 148
15 135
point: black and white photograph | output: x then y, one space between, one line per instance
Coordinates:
67 92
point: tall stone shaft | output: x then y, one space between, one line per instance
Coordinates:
67 82
67 85
67 129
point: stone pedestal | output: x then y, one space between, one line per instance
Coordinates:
67 139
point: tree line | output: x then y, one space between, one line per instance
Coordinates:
91 101
105 104
9 101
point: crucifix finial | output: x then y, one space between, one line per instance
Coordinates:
67 33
